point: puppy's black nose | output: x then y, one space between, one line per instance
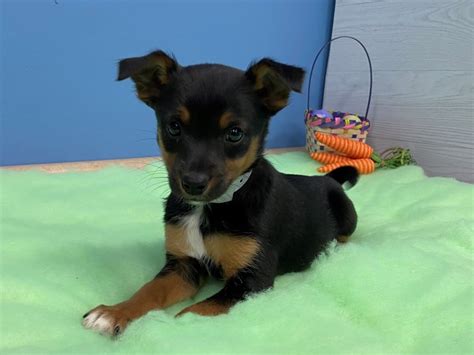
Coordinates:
194 184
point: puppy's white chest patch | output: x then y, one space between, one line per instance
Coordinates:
193 236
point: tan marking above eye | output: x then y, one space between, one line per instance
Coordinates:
225 119
184 114
232 253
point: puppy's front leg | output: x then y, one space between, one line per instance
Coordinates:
178 280
236 289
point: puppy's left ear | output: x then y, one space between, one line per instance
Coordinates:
273 82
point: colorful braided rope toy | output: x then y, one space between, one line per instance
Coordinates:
359 155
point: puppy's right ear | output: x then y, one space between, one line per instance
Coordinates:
150 74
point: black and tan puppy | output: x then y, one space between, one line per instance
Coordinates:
230 214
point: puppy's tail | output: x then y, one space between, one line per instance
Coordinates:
347 176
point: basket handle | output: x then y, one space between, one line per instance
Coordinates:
368 59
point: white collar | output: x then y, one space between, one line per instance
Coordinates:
235 186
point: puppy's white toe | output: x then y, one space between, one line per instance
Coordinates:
98 321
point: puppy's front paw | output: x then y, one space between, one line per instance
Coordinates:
109 320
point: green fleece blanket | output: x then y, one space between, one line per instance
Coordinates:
403 284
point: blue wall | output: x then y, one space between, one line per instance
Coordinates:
59 100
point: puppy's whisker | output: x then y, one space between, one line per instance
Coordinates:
154 182
153 176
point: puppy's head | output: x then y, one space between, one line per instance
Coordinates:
212 119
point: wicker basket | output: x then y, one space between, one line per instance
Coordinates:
347 125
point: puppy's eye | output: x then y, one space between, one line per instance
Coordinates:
234 135
174 129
